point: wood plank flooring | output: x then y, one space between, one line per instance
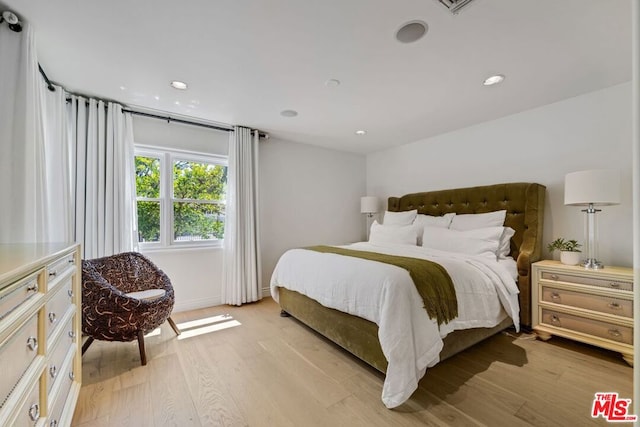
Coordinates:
247 366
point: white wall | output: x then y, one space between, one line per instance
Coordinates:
586 132
308 196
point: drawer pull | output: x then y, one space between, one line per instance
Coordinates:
615 306
32 343
554 277
555 296
52 317
615 333
614 285
53 371
53 423
70 293
53 273
34 412
72 261
555 319
33 288
71 376
72 335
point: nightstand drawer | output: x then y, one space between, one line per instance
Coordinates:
610 331
593 281
602 304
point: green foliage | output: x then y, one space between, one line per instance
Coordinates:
564 245
198 212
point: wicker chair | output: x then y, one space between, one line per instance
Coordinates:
124 296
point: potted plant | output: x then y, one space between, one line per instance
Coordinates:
569 250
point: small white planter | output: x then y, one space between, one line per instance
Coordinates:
570 258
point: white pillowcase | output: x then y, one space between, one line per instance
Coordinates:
403 234
483 220
422 221
400 218
504 249
481 241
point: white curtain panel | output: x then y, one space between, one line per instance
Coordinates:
101 141
23 183
241 268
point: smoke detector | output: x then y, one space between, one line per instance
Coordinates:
455 6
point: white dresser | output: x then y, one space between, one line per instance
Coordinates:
40 334
592 306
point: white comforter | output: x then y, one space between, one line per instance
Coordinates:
385 294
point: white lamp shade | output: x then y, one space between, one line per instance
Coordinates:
599 187
368 204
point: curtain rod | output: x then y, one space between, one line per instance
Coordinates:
50 86
187 122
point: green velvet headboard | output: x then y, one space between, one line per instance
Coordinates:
524 203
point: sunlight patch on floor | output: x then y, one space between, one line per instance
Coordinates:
208 329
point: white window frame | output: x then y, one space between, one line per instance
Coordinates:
167 156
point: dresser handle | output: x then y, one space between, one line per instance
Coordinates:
71 376
615 333
52 317
555 295
32 343
53 371
72 335
34 412
53 273
72 261
53 423
554 277
555 319
33 288
614 285
615 306
70 293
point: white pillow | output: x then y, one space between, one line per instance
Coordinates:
403 234
400 218
504 249
481 241
483 220
422 221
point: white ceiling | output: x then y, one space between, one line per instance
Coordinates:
245 61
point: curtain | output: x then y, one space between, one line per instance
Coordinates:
23 181
241 267
101 142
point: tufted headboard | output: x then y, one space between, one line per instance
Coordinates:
524 203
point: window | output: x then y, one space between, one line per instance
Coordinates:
180 197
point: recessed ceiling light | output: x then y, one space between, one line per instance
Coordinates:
332 83
179 85
288 113
123 88
157 97
412 31
493 80
361 132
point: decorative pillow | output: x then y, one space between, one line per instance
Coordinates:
504 249
483 220
400 218
481 241
422 221
403 234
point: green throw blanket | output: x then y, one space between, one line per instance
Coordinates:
431 279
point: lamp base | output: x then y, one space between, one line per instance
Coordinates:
592 264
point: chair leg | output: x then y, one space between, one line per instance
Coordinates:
173 325
86 344
143 355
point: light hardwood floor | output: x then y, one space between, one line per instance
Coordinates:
258 369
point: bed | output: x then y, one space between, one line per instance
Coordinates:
524 205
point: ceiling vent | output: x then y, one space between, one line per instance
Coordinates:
455 6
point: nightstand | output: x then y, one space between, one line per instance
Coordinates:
591 306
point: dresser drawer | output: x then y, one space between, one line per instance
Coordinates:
16 355
31 410
610 331
17 293
58 355
60 267
593 281
58 305
602 304
64 382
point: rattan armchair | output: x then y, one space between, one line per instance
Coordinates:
124 296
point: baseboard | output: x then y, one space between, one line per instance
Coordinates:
195 304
